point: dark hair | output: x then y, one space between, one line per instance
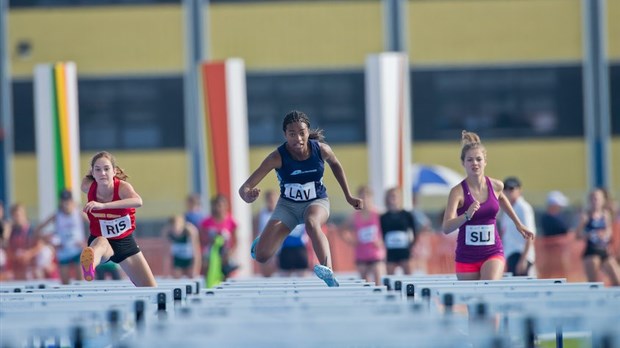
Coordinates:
470 141
118 171
296 116
219 198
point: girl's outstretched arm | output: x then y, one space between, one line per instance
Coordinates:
331 159
248 190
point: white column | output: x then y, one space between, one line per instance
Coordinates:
388 124
238 142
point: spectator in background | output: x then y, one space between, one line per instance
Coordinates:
220 223
185 251
398 229
519 252
194 212
44 261
554 259
363 232
68 236
424 229
5 234
108 270
21 243
260 222
293 255
595 227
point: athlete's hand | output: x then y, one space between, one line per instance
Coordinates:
92 205
473 208
356 203
251 195
527 234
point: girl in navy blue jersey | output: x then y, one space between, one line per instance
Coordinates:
596 228
299 166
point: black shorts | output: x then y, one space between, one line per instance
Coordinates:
123 248
511 264
398 255
182 263
593 250
293 258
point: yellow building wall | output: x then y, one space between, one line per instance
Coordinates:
132 40
100 39
613 30
482 31
149 39
280 35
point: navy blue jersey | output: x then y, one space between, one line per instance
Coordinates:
302 181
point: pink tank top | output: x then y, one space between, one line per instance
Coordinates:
368 234
478 238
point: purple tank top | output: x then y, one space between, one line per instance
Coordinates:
478 238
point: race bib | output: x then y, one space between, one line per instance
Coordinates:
300 192
116 227
367 234
479 235
183 250
397 240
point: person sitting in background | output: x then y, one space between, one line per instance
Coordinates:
108 270
293 255
221 223
424 229
194 213
595 227
363 232
21 242
519 252
555 253
5 233
260 222
68 236
184 247
398 230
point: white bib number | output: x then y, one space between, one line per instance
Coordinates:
397 240
300 192
182 250
367 234
116 227
479 235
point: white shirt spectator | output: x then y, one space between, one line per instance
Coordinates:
512 240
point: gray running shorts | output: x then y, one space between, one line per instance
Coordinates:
292 213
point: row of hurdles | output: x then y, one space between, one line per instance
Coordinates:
406 311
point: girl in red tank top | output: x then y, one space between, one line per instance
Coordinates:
111 213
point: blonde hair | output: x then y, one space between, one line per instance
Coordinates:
118 171
471 140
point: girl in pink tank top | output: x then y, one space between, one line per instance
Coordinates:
364 234
472 207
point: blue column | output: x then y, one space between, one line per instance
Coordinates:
395 25
6 112
596 94
195 44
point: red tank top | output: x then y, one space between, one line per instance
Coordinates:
111 223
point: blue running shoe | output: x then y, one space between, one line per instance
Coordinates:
253 248
326 275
